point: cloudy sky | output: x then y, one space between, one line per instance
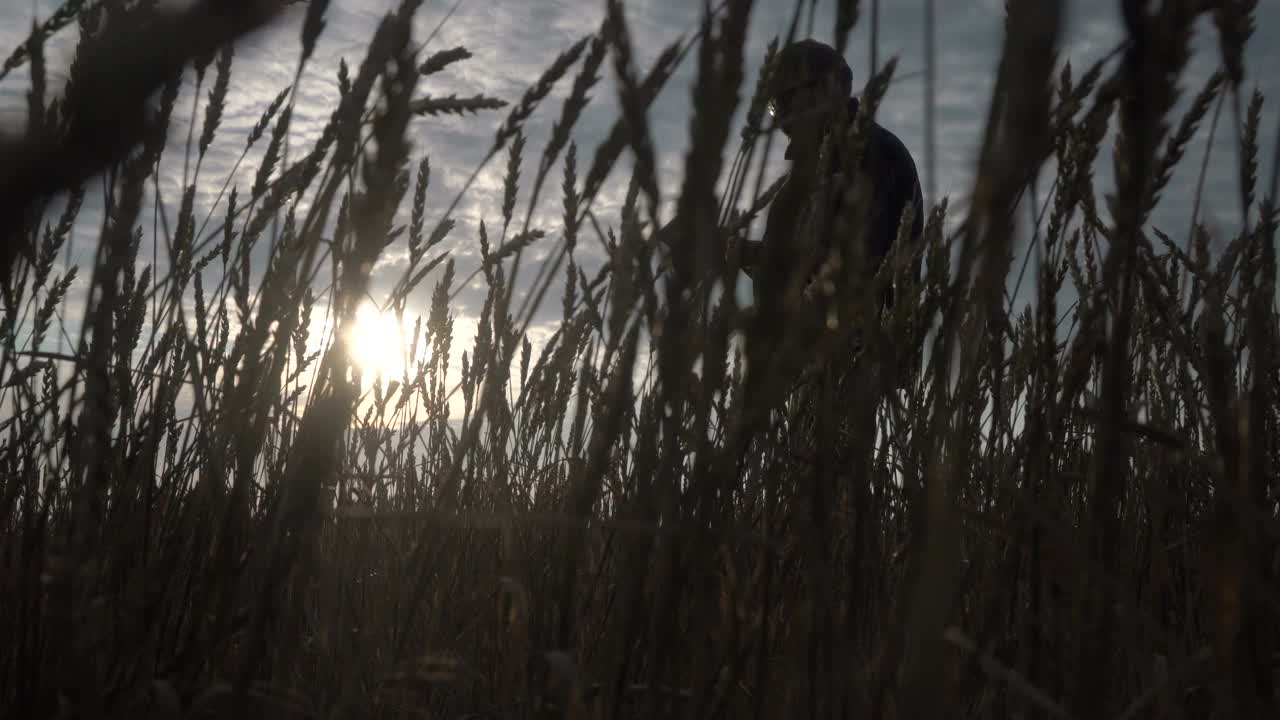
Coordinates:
512 42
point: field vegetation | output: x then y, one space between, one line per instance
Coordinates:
1066 506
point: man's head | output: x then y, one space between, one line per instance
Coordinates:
810 79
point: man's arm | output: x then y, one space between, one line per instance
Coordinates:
894 172
749 252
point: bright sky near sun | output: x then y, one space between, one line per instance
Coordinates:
512 42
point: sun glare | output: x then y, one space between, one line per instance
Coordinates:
377 343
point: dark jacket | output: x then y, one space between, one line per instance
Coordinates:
894 182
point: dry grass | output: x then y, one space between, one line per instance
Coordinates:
1067 510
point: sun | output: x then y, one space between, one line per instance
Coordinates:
376 343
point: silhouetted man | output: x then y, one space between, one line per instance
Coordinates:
825 211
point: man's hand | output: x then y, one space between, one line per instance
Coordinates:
733 251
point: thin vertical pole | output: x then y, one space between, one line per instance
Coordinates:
930 100
875 36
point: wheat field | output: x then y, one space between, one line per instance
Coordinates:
677 504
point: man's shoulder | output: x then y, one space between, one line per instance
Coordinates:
891 152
